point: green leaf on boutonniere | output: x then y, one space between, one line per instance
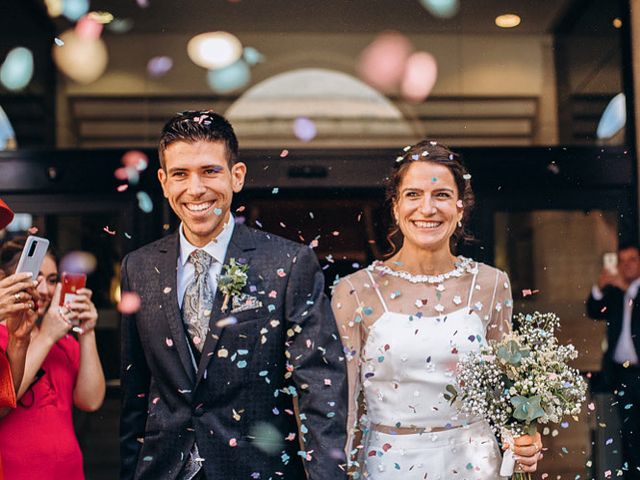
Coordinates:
232 280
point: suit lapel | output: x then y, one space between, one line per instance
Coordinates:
240 247
168 265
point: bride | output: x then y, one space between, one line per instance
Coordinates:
406 321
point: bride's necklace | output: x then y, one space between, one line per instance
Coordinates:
462 266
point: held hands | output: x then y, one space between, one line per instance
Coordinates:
18 297
607 278
527 450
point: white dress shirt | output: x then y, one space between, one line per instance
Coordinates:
624 350
217 248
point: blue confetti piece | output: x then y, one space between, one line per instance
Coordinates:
242 364
144 202
242 351
217 211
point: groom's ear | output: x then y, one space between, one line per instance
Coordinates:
238 172
162 178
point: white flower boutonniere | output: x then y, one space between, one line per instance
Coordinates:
232 280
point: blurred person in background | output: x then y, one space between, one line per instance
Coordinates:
613 299
37 439
17 311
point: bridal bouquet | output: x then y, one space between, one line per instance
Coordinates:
521 381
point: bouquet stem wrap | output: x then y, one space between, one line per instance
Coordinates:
508 459
508 463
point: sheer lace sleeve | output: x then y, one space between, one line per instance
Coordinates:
347 309
501 307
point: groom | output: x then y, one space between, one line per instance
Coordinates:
232 367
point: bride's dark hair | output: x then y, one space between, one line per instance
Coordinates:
432 152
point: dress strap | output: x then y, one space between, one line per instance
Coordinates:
473 286
495 289
374 285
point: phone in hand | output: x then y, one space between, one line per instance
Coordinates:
610 262
33 253
71 283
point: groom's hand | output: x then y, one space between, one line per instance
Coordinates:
527 450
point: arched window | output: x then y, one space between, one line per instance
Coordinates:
345 111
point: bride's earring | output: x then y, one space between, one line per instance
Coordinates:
459 224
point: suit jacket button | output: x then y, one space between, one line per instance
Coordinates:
198 412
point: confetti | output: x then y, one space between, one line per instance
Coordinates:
225 322
129 303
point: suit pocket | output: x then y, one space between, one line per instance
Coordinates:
233 360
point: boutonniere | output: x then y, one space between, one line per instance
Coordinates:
232 280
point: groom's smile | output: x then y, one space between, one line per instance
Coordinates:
199 185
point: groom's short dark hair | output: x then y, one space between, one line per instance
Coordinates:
199 125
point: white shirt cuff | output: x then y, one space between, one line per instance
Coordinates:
596 293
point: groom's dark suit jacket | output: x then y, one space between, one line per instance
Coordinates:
239 403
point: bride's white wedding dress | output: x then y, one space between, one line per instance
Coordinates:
403 336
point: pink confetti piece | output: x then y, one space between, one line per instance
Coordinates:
88 29
129 303
284 153
110 232
135 159
33 230
527 292
169 342
233 442
123 187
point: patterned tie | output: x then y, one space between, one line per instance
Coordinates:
196 311
198 299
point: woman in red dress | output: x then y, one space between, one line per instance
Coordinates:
37 439
17 303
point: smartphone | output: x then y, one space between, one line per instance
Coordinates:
35 248
71 283
610 262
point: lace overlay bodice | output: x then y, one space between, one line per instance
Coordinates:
403 337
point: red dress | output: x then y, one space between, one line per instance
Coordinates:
7 392
37 439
